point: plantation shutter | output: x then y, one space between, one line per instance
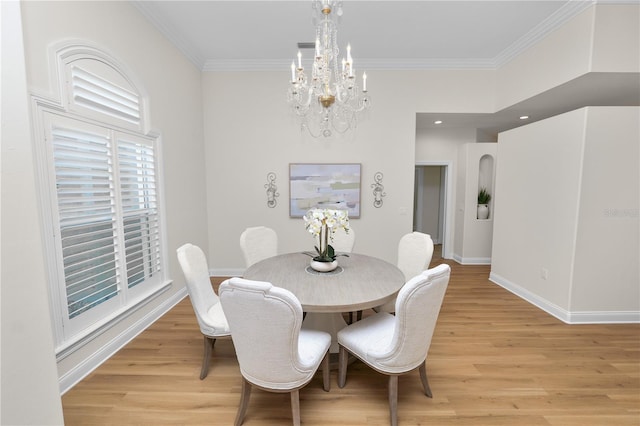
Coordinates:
91 91
87 219
136 160
108 216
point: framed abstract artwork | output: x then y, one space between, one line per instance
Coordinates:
317 185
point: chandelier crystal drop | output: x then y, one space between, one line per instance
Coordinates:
330 98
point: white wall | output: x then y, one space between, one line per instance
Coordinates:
247 139
536 204
29 385
544 161
553 243
606 276
175 104
616 38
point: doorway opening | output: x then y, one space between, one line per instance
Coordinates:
430 202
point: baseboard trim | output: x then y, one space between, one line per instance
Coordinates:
605 317
93 361
576 317
231 272
472 260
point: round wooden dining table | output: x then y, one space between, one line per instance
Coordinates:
360 282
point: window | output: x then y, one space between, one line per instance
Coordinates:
101 197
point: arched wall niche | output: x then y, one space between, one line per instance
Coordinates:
485 181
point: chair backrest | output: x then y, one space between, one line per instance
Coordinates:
196 273
258 243
417 308
265 325
414 254
342 241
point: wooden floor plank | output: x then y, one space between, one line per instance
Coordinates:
494 360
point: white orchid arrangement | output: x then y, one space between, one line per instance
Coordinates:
323 223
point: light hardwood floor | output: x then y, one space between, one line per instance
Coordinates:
494 360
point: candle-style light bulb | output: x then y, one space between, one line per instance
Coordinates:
349 53
293 72
364 81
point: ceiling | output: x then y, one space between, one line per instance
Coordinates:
451 34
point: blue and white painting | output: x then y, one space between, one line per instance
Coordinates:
324 185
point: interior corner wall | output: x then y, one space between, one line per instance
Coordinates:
535 209
606 276
566 214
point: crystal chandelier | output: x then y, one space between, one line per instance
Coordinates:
330 98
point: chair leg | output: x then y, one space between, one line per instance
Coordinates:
343 358
208 348
423 378
295 407
326 379
393 399
357 315
245 394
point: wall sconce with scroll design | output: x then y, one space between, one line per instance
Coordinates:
272 190
378 190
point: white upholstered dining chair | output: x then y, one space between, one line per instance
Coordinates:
415 251
205 302
258 243
397 344
274 353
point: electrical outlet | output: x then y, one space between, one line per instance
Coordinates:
544 273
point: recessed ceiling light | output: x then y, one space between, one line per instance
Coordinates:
437 122
524 117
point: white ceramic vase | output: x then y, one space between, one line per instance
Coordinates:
483 211
323 266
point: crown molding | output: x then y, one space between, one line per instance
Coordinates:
556 20
363 64
174 36
560 17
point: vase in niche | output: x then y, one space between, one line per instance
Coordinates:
483 211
